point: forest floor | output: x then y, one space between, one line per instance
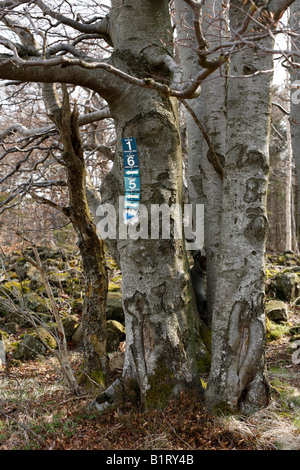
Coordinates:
38 413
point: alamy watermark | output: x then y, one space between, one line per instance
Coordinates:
296 354
159 221
295 96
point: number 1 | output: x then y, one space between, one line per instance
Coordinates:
128 143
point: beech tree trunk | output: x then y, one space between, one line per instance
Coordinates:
205 183
237 379
294 118
207 121
289 190
161 338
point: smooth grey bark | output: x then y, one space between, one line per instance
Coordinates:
194 139
237 379
289 190
189 63
159 312
205 183
294 117
214 93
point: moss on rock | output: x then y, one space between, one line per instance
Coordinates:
115 334
47 337
99 377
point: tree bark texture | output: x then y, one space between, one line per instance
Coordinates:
237 379
91 247
294 117
205 183
159 312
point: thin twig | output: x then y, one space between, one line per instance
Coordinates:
212 155
41 441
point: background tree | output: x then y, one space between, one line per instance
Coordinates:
293 68
71 159
206 138
235 198
277 179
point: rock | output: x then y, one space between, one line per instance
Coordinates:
288 286
29 348
115 334
77 336
61 280
277 311
12 327
34 276
116 360
43 251
3 311
14 288
114 307
23 271
70 324
47 337
19 319
36 303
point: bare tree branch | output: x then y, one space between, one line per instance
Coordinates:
100 27
285 111
28 132
212 155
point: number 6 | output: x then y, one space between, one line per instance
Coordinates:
130 161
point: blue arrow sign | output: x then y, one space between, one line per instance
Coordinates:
131 216
133 196
132 172
131 205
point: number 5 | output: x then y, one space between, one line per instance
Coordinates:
132 184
